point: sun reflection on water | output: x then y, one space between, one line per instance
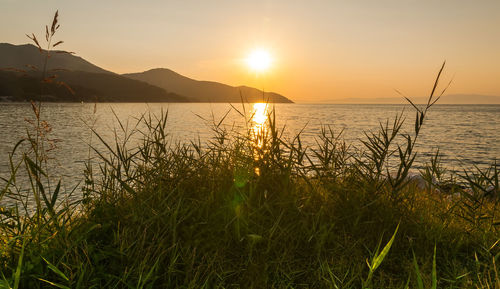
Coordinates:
259 114
259 128
258 123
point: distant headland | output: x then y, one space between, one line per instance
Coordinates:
84 81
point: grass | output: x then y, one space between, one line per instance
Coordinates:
249 209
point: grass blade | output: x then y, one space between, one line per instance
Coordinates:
17 274
55 269
434 273
380 257
420 283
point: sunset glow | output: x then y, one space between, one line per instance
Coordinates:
313 51
259 60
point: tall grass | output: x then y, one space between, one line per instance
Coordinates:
250 209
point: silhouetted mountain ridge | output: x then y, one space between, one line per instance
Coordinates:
93 82
84 86
26 55
204 91
88 81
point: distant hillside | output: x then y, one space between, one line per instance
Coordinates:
21 56
88 87
92 81
445 99
204 91
89 82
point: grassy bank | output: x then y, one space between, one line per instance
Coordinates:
249 209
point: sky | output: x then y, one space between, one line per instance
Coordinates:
322 50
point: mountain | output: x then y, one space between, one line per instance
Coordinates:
83 86
116 88
25 56
89 82
445 99
204 91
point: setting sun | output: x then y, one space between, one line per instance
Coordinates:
259 60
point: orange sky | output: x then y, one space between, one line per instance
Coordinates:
323 50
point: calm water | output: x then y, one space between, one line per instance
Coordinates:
466 134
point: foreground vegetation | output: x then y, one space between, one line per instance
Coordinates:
248 210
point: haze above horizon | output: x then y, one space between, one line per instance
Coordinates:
321 50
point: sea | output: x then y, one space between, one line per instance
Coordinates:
467 136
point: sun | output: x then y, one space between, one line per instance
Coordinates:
259 60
